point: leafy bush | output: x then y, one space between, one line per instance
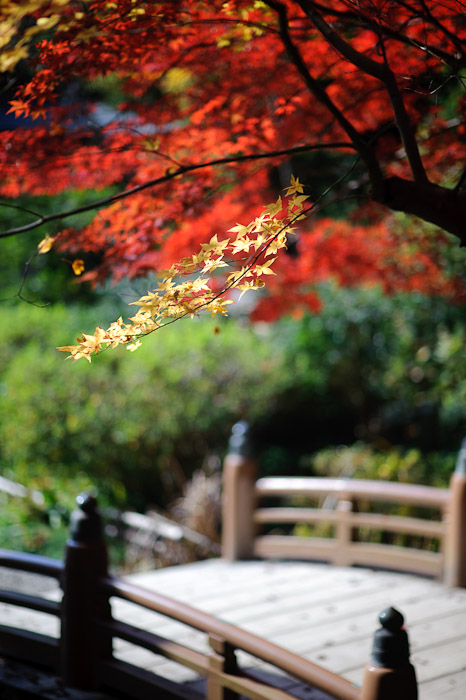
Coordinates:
369 367
138 425
40 526
362 461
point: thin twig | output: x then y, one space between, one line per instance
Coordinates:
182 170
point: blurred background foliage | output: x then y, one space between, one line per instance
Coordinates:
374 386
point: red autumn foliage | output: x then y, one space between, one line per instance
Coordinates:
213 97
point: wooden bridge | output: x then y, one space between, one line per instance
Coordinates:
264 629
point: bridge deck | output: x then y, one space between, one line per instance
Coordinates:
326 614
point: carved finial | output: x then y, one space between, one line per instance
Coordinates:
391 645
240 440
86 524
460 467
391 619
87 502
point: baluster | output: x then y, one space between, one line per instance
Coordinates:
344 532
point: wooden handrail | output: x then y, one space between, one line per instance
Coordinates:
381 521
31 602
388 491
33 563
240 639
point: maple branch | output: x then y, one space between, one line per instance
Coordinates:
19 293
443 207
445 31
169 175
311 82
380 71
391 33
320 93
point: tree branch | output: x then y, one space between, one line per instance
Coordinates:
312 84
365 151
380 71
359 20
171 175
443 207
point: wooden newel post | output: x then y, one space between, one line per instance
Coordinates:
239 477
82 641
389 675
455 547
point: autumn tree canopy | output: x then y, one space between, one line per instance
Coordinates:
234 128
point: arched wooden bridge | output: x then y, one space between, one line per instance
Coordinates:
269 628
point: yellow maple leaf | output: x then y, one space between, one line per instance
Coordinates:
295 187
265 268
46 244
78 267
215 245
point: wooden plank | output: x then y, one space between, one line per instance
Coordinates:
31 602
361 553
305 616
394 523
266 581
436 630
440 661
425 624
384 491
220 580
397 558
449 687
294 515
159 645
322 609
310 607
291 547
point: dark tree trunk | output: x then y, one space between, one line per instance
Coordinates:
437 205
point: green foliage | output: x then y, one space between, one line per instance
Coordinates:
384 359
140 422
40 527
362 461
42 279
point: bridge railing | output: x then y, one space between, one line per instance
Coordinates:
246 515
83 657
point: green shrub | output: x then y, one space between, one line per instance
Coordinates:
138 424
362 461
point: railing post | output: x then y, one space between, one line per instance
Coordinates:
455 546
221 660
344 531
239 476
389 675
82 643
